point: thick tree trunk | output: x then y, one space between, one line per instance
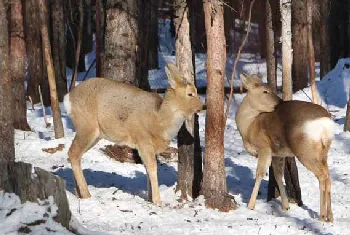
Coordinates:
300 46
17 177
36 68
214 186
56 112
17 66
121 41
58 32
190 157
324 38
270 47
7 148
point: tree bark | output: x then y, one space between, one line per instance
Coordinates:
287 56
7 148
347 118
121 42
17 66
324 38
56 112
311 52
78 45
17 177
300 46
99 38
270 47
36 68
214 186
58 33
190 156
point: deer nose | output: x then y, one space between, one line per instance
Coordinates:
204 107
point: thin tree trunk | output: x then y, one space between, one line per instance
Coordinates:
36 69
190 160
324 38
287 56
347 118
99 38
270 47
56 112
214 186
291 170
262 27
271 79
78 45
300 46
17 66
311 52
7 148
153 41
58 32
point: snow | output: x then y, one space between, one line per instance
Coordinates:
118 204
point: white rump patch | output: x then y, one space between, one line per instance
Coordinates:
67 104
320 129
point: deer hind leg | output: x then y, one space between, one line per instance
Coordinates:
278 170
264 161
320 169
149 160
82 142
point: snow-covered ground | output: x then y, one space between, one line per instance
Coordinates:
118 204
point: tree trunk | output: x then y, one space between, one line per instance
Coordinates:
190 157
291 170
153 41
78 45
121 41
229 20
36 69
17 177
287 56
200 41
17 66
270 47
214 186
263 27
311 52
99 37
56 112
58 32
347 118
324 38
300 46
7 148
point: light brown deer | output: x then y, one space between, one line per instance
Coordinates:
272 129
102 108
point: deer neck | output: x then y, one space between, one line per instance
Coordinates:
170 117
245 115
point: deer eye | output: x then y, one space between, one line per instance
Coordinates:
190 94
266 92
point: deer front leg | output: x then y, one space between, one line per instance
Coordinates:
149 160
264 161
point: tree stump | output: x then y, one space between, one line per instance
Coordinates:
18 178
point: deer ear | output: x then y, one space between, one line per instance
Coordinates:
250 82
174 75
